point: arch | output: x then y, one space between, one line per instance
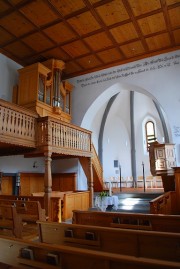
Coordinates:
104 101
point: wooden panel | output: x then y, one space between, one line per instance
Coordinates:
84 23
38 42
76 48
16 24
73 201
64 182
39 13
113 12
69 6
103 41
174 17
19 48
109 55
66 34
31 183
158 41
7 185
56 53
89 61
73 67
5 36
152 24
177 36
124 33
144 6
47 26
132 49
34 182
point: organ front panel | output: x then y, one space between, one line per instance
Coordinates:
42 89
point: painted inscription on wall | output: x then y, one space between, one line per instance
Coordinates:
176 131
130 70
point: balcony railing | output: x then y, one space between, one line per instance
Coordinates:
63 137
17 124
22 127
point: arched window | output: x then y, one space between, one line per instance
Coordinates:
150 133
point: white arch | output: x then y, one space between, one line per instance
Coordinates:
105 96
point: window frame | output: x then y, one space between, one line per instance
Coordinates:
153 135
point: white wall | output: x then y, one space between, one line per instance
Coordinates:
146 76
8 77
156 77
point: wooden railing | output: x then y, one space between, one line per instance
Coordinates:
164 204
63 137
96 163
17 123
23 127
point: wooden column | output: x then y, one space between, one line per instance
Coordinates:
47 182
91 183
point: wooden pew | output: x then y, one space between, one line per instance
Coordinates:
154 222
30 211
68 201
24 198
62 203
10 221
146 244
165 204
13 254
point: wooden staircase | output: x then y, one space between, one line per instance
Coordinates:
97 170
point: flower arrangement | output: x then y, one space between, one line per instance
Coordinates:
104 194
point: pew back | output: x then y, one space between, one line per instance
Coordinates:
29 211
69 257
154 222
149 244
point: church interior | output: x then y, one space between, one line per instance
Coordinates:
89 134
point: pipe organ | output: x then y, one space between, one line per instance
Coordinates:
42 89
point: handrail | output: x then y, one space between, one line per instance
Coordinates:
97 163
18 123
63 137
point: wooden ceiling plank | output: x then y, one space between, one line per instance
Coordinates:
167 20
136 26
96 40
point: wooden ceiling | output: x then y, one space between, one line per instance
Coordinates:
88 35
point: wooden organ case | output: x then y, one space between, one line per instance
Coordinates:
162 160
42 89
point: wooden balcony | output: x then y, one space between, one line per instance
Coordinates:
22 131
17 129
